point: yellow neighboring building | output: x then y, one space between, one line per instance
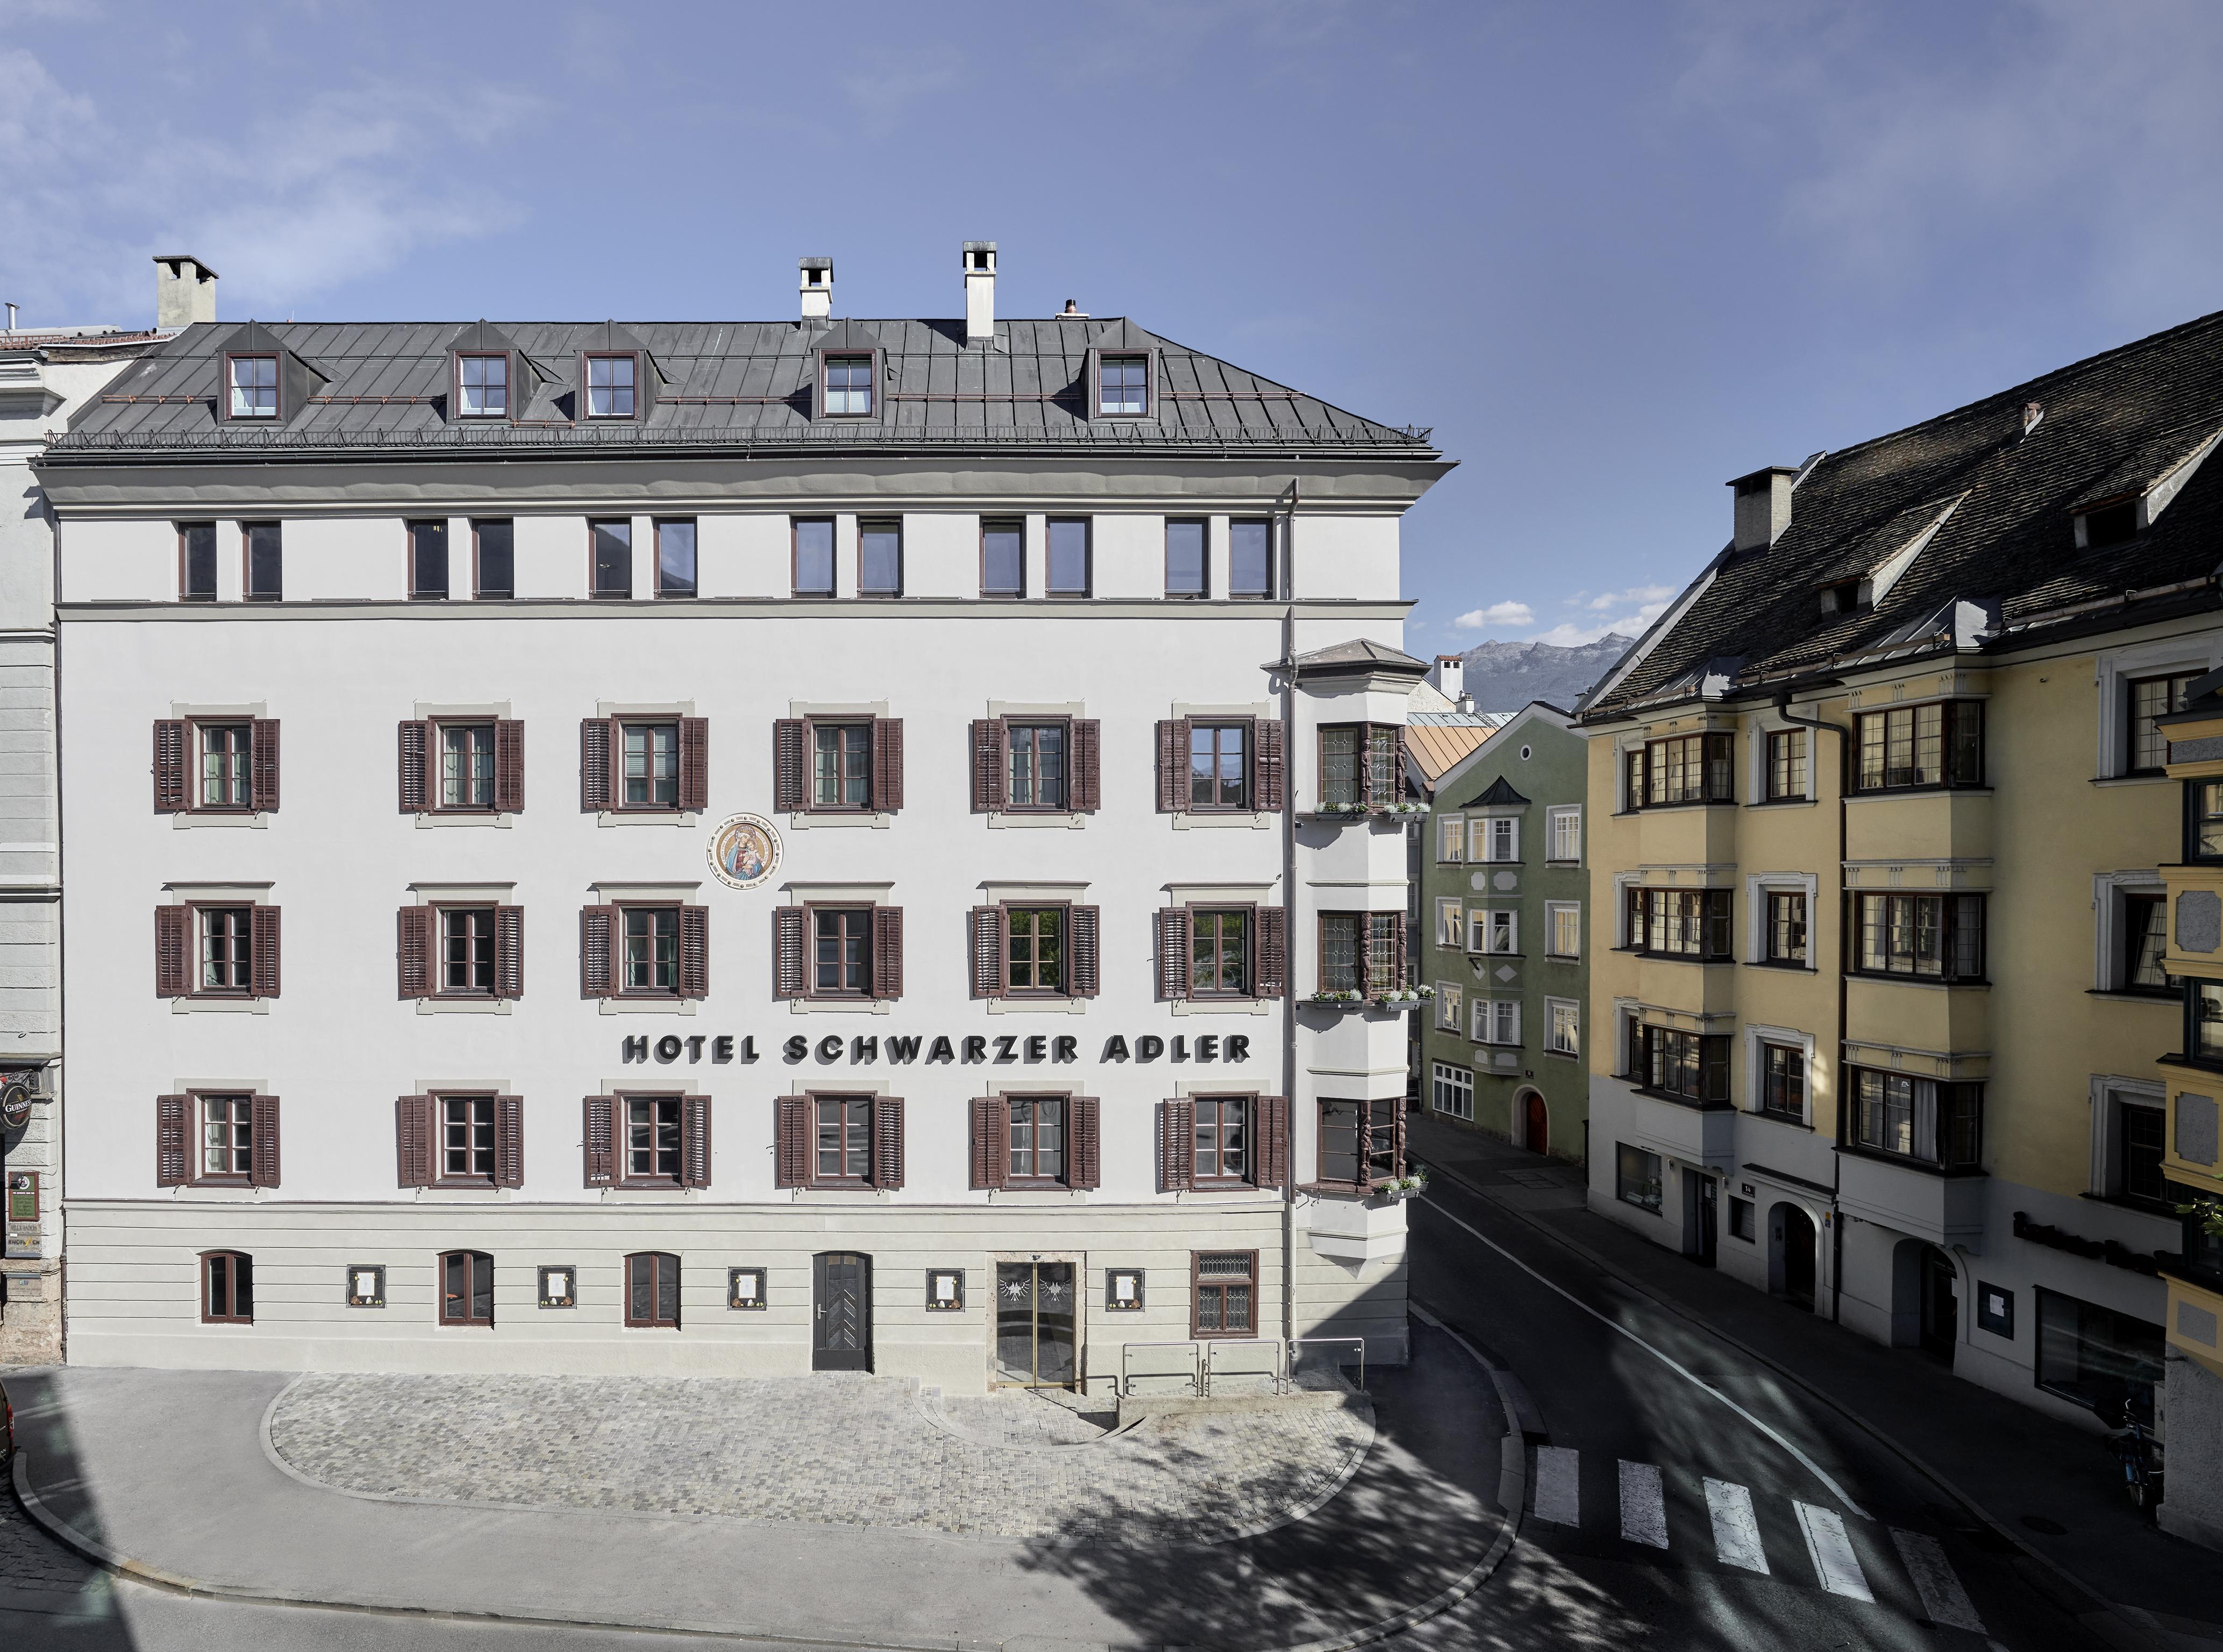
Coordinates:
1881 820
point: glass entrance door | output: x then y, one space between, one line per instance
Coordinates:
1036 1323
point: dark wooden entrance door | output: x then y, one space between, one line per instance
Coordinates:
1535 1125
1797 1240
1940 1304
841 1325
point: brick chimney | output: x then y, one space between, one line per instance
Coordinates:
1763 507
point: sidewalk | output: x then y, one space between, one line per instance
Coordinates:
169 1469
2012 1461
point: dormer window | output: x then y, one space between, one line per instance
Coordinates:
610 386
1123 385
483 385
2110 525
1846 596
253 386
849 384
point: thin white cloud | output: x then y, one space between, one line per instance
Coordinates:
1516 615
890 79
1635 597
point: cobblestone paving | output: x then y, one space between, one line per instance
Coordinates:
29 1560
843 1450
1018 1417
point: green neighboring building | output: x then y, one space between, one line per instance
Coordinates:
1505 932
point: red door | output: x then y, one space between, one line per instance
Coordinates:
1536 1125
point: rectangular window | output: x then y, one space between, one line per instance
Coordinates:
1223 1138
1918 1117
1358 1142
1217 771
467 1289
1185 561
1941 744
1038 1138
652 1137
610 385
1636 1177
841 765
1786 764
482 387
2141 1144
2144 700
813 556
1679 922
1935 937
2204 822
1497 930
1566 835
653 1291
1003 558
1497 1021
227 1138
1690 768
1740 1222
1453 1091
495 544
1067 556
1690 1065
253 386
879 558
1566 1036
265 562
1250 559
1451 923
2094 1356
2203 1037
227 755
849 386
1447 1006
1450 840
1037 949
227 951
841 951
652 765
196 561
1358 952
467 1139
1123 385
467 950
1783 1082
651 949
675 557
1564 936
1499 839
2146 940
1342 780
466 764
1219 953
613 554
1226 1293
1036 778
844 1142
1787 928
227 1288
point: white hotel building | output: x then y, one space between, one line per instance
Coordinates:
728 846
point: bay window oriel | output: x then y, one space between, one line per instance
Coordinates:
1361 765
1688 768
1935 1122
1362 953
1362 1143
1687 1066
1908 746
1680 923
1929 937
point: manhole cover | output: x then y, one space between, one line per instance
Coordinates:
2050 1528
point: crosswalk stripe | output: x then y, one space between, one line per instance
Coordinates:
1643 1505
1943 1599
1559 1482
1831 1551
1736 1531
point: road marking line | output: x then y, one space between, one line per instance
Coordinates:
1943 1599
1805 1461
1831 1551
1736 1532
1559 1486
1643 1505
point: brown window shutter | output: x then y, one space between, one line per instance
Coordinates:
694 952
1087 765
695 1141
992 1141
508 767
264 782
594 764
414 950
991 765
887 764
792 1141
1270 1125
413 1141
172 1140
1173 766
1270 764
509 952
264 963
1174 952
887 1142
415 745
597 938
173 951
170 765
988 948
262 1128
694 764
1084 1163
887 952
602 1140
1081 948
789 978
1176 1143
508 1141
1273 960
788 795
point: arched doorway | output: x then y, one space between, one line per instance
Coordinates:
1791 1255
1535 1122
1940 1304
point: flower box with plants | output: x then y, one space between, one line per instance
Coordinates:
1402 1188
1405 998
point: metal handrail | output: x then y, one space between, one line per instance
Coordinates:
1195 1372
1297 1345
1279 1373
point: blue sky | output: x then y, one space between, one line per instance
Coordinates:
1614 254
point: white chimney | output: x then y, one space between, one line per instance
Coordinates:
1447 674
1763 507
979 290
184 291
817 288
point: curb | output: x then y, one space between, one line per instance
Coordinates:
2118 1629
1512 1496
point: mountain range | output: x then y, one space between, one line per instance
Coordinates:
1506 676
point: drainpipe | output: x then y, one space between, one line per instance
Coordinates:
1289 927
1837 1065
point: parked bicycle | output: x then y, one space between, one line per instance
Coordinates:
2139 1455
